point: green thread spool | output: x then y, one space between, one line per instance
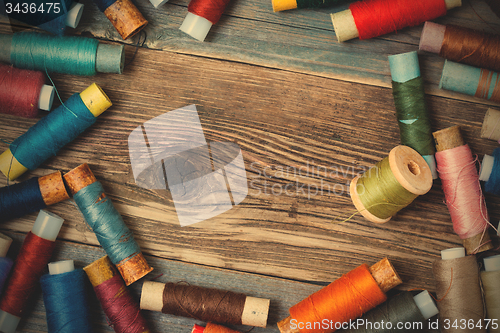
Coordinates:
391 185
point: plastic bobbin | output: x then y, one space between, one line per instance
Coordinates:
74 15
280 5
453 253
492 263
158 3
491 125
432 37
426 304
5 242
60 267
196 26
47 225
46 97
10 166
486 167
110 58
95 99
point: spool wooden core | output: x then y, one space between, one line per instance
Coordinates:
410 170
126 18
383 273
132 268
450 138
52 188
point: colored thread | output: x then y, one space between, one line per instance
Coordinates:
52 132
414 124
20 91
112 233
47 20
471 47
212 328
458 291
28 267
20 199
5 267
342 300
70 55
382 194
66 304
493 183
206 304
212 10
486 79
398 309
464 198
318 3
491 288
378 17
120 307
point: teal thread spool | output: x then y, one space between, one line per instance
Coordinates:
409 98
54 54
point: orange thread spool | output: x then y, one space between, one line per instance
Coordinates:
212 328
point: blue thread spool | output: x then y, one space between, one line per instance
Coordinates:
31 195
108 225
5 262
64 295
54 54
54 131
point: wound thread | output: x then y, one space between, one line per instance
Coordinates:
20 199
212 10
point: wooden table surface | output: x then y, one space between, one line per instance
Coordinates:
282 88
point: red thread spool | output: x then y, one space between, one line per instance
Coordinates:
212 328
345 299
202 15
23 92
118 304
372 18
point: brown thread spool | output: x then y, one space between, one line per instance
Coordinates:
382 272
205 304
125 17
131 269
491 125
450 138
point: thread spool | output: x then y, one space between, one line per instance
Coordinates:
206 304
372 18
345 299
24 92
5 262
35 254
458 290
391 184
478 82
462 45
490 172
402 308
490 278
112 233
202 14
65 298
464 198
121 309
409 98
55 54
124 16
491 125
281 5
31 195
212 328
44 139
68 15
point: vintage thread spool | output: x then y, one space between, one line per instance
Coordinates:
67 55
411 110
473 81
212 328
206 304
31 195
124 16
24 92
490 279
55 21
458 290
54 131
462 45
464 198
281 5
121 309
5 262
28 268
107 223
345 299
491 125
65 298
391 184
411 311
372 18
202 14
